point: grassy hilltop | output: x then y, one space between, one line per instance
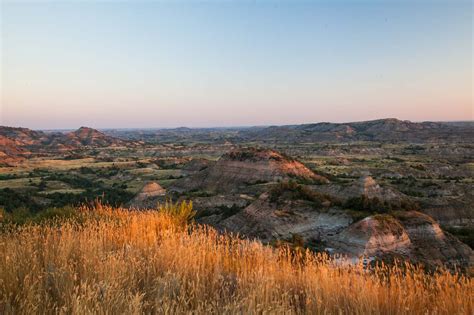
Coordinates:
107 260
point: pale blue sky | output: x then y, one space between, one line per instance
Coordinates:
163 64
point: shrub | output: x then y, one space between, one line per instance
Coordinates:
11 200
413 193
364 203
21 215
375 205
182 213
56 213
24 215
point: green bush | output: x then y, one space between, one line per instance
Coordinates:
413 193
54 213
11 200
364 203
375 205
24 215
182 212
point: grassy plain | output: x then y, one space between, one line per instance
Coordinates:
114 261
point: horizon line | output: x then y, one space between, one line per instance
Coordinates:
239 126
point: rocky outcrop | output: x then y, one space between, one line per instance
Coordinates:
245 167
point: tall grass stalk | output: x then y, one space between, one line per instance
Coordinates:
114 261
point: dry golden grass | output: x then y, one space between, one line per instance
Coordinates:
110 261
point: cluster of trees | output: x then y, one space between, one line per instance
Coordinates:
375 205
12 201
103 172
29 203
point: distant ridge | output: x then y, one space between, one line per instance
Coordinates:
389 129
18 143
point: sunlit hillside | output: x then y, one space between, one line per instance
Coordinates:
116 261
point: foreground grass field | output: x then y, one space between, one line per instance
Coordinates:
115 261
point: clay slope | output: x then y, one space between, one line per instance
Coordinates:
268 221
245 167
410 234
431 244
319 221
148 196
10 152
373 236
85 136
23 136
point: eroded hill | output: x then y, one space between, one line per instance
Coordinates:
263 194
245 167
18 143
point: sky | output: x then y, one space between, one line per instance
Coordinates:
144 64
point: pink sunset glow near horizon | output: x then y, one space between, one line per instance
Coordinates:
164 64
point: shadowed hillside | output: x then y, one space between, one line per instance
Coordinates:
390 129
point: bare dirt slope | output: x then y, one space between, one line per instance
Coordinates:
148 196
